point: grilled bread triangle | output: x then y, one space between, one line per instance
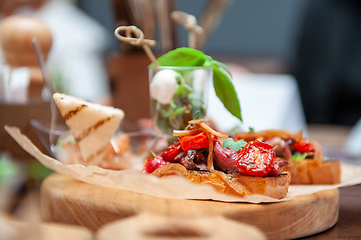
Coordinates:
92 125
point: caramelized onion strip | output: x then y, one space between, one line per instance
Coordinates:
180 133
210 153
198 121
224 176
210 130
282 133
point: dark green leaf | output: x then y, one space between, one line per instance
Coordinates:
251 129
182 57
225 91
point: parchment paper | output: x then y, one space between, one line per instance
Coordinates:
172 187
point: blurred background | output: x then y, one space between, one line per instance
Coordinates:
316 44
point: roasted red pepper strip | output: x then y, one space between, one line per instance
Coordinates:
195 141
303 146
172 151
256 159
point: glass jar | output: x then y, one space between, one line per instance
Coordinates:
176 95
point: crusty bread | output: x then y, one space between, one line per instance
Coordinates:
307 171
314 172
92 125
275 187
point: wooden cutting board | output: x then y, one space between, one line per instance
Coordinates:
66 200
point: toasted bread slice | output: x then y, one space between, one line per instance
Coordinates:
314 172
92 125
274 187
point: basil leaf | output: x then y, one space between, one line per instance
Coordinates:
223 66
224 89
182 57
189 57
219 64
297 156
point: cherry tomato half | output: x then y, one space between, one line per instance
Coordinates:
256 159
172 151
304 146
151 165
195 141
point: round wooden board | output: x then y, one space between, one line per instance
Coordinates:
69 201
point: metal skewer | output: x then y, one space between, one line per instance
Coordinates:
51 91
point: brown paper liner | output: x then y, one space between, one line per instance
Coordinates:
136 181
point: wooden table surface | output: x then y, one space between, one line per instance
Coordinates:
349 223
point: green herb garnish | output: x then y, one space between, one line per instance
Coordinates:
234 130
222 78
230 143
37 170
297 156
251 129
153 153
7 168
196 116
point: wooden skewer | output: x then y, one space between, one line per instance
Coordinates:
138 40
211 17
189 22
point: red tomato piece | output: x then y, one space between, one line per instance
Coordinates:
152 165
172 151
195 141
256 159
303 146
